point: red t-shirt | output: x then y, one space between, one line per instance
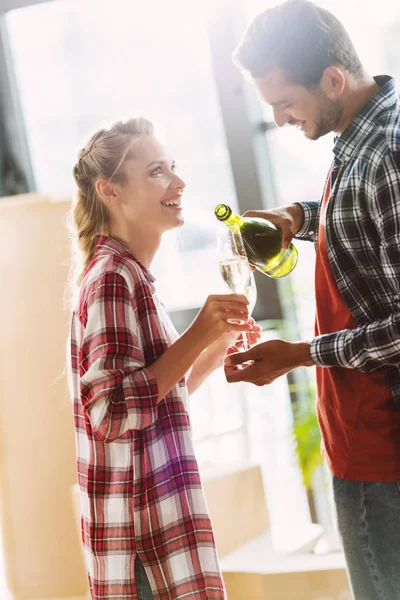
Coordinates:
359 420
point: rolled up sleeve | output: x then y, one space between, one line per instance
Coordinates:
118 392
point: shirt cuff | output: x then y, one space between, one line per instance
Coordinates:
329 350
308 230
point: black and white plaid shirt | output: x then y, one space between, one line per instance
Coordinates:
363 239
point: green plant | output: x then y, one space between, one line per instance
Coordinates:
307 437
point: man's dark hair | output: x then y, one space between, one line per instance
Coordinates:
299 38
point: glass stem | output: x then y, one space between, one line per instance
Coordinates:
245 341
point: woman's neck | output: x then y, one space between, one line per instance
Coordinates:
142 244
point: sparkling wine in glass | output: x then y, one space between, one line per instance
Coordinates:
251 292
235 269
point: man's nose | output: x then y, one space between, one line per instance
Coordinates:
280 117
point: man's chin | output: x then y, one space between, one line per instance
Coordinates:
312 136
319 131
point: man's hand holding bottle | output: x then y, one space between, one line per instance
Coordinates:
288 218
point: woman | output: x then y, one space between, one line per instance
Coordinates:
145 527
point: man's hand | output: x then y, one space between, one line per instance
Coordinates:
234 342
213 357
263 363
288 218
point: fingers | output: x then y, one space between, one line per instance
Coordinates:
287 237
280 218
239 327
231 309
236 315
260 214
241 357
239 298
253 337
256 330
271 216
260 365
231 350
254 327
248 373
233 306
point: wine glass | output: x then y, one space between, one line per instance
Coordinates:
235 269
251 292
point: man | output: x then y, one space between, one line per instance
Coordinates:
303 63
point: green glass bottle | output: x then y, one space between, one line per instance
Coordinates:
262 241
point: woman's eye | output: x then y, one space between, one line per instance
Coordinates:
173 168
157 171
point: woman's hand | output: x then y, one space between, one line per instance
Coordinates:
222 314
213 357
236 343
231 343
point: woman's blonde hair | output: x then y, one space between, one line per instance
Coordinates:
103 157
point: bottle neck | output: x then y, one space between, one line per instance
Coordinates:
233 221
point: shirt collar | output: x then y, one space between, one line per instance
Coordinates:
356 132
107 245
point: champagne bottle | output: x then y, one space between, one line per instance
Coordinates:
262 241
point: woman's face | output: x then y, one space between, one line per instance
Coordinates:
151 194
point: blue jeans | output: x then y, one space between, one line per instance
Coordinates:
142 583
368 515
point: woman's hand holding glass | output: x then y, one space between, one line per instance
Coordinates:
222 314
238 276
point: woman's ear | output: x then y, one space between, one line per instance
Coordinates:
107 191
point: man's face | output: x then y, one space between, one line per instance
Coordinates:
311 110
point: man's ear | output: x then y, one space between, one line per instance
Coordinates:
333 81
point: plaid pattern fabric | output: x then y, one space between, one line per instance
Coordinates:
363 239
140 485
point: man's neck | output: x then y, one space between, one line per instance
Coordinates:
359 93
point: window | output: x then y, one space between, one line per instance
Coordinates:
92 62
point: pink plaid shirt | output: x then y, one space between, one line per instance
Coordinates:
140 486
